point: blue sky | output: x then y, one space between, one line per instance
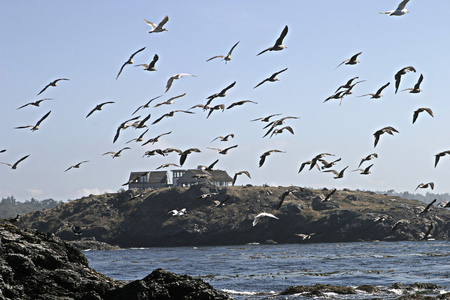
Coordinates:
88 41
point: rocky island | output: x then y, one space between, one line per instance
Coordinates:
210 215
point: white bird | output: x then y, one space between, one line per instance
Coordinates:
159 27
227 57
35 127
53 83
129 61
263 214
399 11
176 76
278 43
151 65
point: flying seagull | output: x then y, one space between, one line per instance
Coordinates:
129 61
174 77
348 84
390 130
428 207
425 185
35 103
262 158
272 78
419 110
283 196
35 127
122 126
327 165
224 138
159 27
240 103
261 215
167 165
427 234
185 153
351 61
14 166
399 74
438 156
217 107
139 138
338 174
280 130
76 166
146 105
227 57
377 94
156 139
265 119
98 107
223 151
399 11
316 158
365 171
328 196
240 173
118 153
416 89
367 158
222 93
53 83
151 65
308 162
169 101
278 43
170 114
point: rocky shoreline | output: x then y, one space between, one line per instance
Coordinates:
37 265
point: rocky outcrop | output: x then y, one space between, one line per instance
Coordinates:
191 217
36 265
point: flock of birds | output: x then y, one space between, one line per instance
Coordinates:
275 123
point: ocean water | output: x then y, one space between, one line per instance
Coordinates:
262 271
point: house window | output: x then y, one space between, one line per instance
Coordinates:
143 178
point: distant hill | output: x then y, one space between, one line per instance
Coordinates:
141 218
10 207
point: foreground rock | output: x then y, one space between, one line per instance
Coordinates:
147 218
37 265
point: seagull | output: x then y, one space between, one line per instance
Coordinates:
122 126
98 107
338 174
339 95
351 61
129 61
217 107
328 196
211 166
222 202
154 152
425 185
224 138
306 236
146 105
138 139
348 84
3 150
169 101
227 57
53 83
399 74
265 119
428 207
240 173
368 157
14 220
267 153
438 156
14 166
151 65
223 151
222 93
118 153
399 11
275 123
390 130
167 165
76 166
283 196
427 234
155 139
141 124
170 114
170 150
240 103
302 166
174 77
261 215
35 103
365 171
327 165
278 43
280 130
185 153
421 109
159 27
395 226
416 89
272 78
316 158
377 94
35 127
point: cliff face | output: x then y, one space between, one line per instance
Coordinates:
37 265
146 218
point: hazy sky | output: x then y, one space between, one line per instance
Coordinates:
88 41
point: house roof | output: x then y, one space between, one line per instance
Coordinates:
152 177
214 175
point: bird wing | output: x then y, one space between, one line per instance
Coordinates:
279 41
151 24
402 5
44 89
227 88
153 62
132 55
263 51
217 56
382 88
169 84
14 166
232 48
279 72
43 118
263 214
417 85
260 83
120 71
163 21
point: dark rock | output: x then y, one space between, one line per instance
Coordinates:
318 290
36 266
368 288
